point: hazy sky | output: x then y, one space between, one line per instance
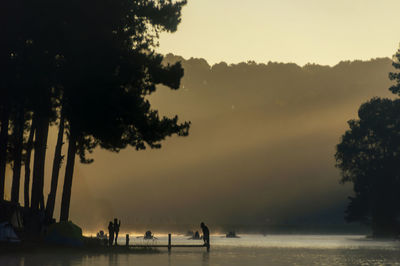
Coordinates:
300 31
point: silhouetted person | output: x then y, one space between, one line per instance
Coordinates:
116 229
196 235
127 240
148 235
206 234
110 233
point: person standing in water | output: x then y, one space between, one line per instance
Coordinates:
206 234
110 233
116 229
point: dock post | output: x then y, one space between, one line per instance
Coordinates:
169 242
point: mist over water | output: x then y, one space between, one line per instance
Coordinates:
247 250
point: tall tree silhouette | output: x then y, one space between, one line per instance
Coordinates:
10 35
368 157
41 66
12 90
103 86
58 157
3 145
27 162
17 141
105 97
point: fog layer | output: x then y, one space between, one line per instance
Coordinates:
260 151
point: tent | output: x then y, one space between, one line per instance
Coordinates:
65 233
7 233
12 213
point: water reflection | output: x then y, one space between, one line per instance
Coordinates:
39 260
112 259
50 260
231 257
206 258
10 261
273 250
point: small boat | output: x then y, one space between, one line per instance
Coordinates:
231 234
195 236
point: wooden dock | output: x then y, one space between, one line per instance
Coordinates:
170 246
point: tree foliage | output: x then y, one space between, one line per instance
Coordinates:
395 75
88 66
368 157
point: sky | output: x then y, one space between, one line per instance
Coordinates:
299 31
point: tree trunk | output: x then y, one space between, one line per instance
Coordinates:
3 148
41 203
69 171
42 132
29 147
17 156
56 170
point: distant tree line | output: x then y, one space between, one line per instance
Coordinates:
369 158
280 86
87 67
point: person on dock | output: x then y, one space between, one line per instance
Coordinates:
116 229
110 233
206 234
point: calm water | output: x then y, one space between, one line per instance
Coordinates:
248 250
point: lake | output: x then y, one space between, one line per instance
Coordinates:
248 250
